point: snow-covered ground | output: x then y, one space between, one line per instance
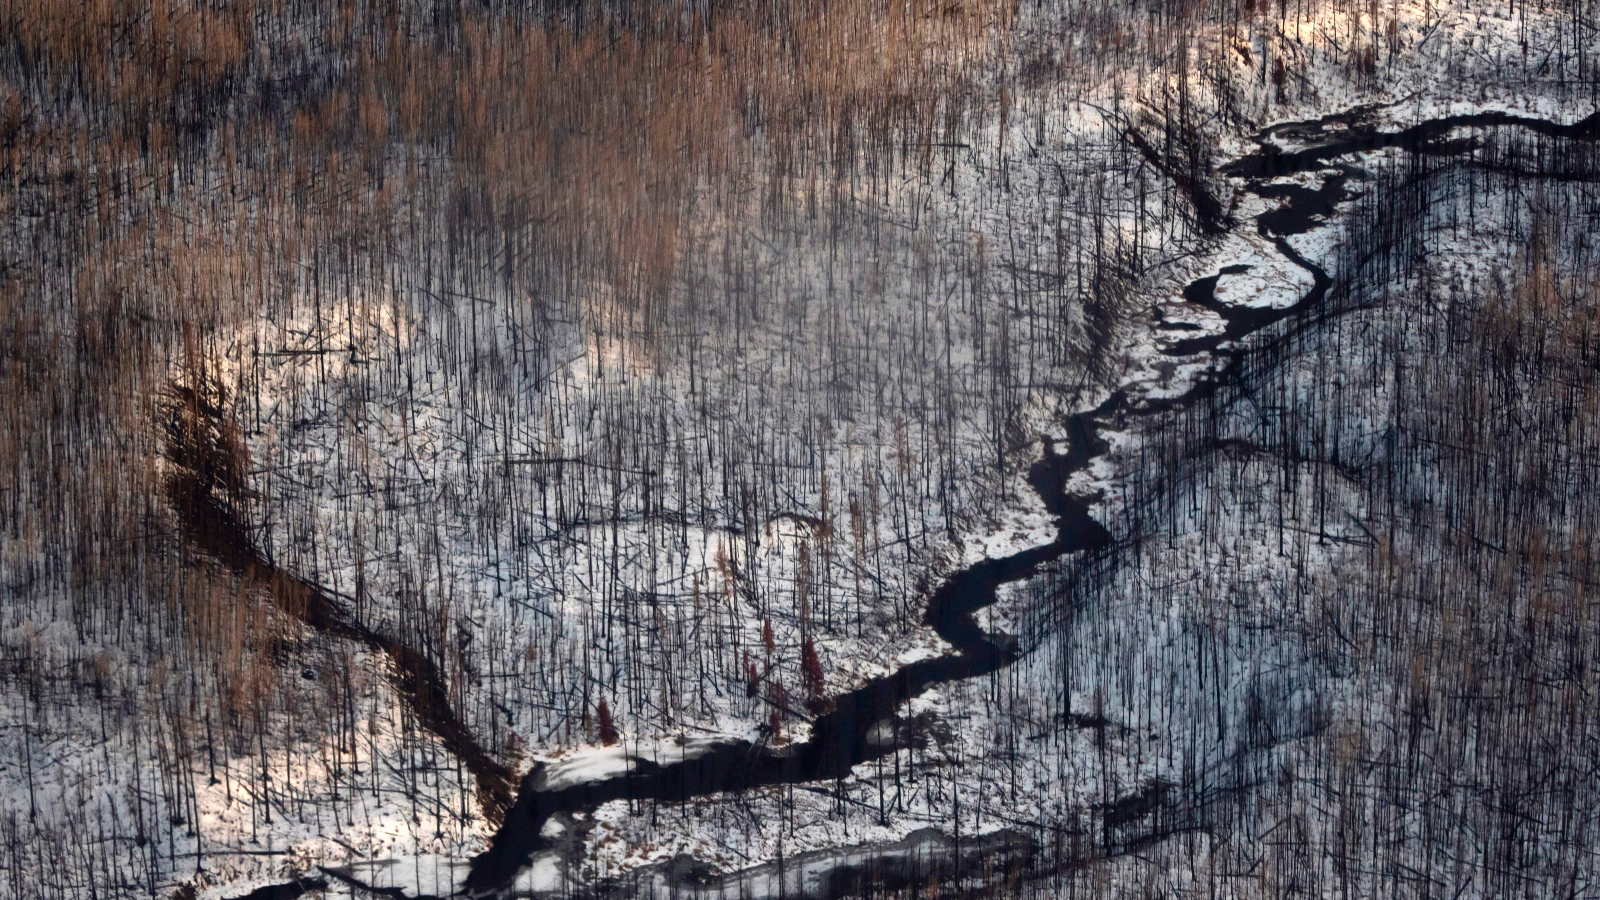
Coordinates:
568 503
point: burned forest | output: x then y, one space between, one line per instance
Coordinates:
830 449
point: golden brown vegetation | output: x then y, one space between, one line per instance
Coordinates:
587 140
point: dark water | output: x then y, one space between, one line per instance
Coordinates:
839 738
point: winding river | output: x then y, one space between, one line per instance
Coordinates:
839 739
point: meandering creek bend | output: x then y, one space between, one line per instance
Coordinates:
839 738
